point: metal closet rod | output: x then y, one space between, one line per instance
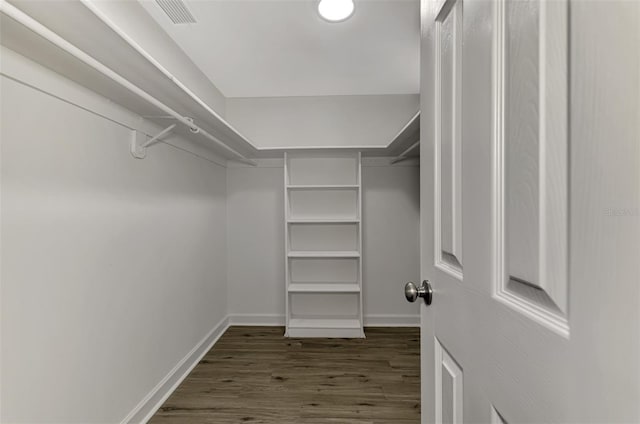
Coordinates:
35 26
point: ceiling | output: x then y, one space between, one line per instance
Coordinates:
275 48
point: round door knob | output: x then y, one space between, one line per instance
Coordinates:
412 293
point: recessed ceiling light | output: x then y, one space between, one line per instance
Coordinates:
336 10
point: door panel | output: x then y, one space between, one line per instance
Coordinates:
449 387
530 90
496 417
448 167
530 192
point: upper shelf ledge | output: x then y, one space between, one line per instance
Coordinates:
69 60
407 140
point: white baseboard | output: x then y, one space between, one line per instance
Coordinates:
156 397
392 320
257 319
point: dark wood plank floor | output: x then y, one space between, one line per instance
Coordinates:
255 375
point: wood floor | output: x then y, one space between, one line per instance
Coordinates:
255 375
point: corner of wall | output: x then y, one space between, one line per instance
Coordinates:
148 406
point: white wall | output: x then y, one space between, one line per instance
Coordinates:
359 121
113 268
391 239
255 213
255 237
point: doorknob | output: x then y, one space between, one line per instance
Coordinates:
411 292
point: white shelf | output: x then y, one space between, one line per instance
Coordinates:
405 140
324 323
322 203
410 152
324 254
342 333
323 221
322 187
324 288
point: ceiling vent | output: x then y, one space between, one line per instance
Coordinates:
177 11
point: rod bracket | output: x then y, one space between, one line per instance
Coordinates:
136 142
139 142
192 128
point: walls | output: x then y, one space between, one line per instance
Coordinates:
113 268
255 237
391 239
369 121
255 213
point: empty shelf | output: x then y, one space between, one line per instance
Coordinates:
322 186
324 254
324 288
323 220
324 323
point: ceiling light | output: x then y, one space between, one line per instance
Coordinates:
336 10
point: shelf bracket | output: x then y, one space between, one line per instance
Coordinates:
139 142
405 155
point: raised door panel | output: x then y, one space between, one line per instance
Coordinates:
496 417
530 95
448 387
448 165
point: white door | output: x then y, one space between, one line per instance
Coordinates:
530 208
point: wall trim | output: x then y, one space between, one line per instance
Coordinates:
148 406
392 320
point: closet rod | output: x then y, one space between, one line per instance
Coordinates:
89 4
35 26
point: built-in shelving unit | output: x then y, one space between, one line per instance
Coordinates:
323 236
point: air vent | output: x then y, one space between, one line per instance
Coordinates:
177 11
